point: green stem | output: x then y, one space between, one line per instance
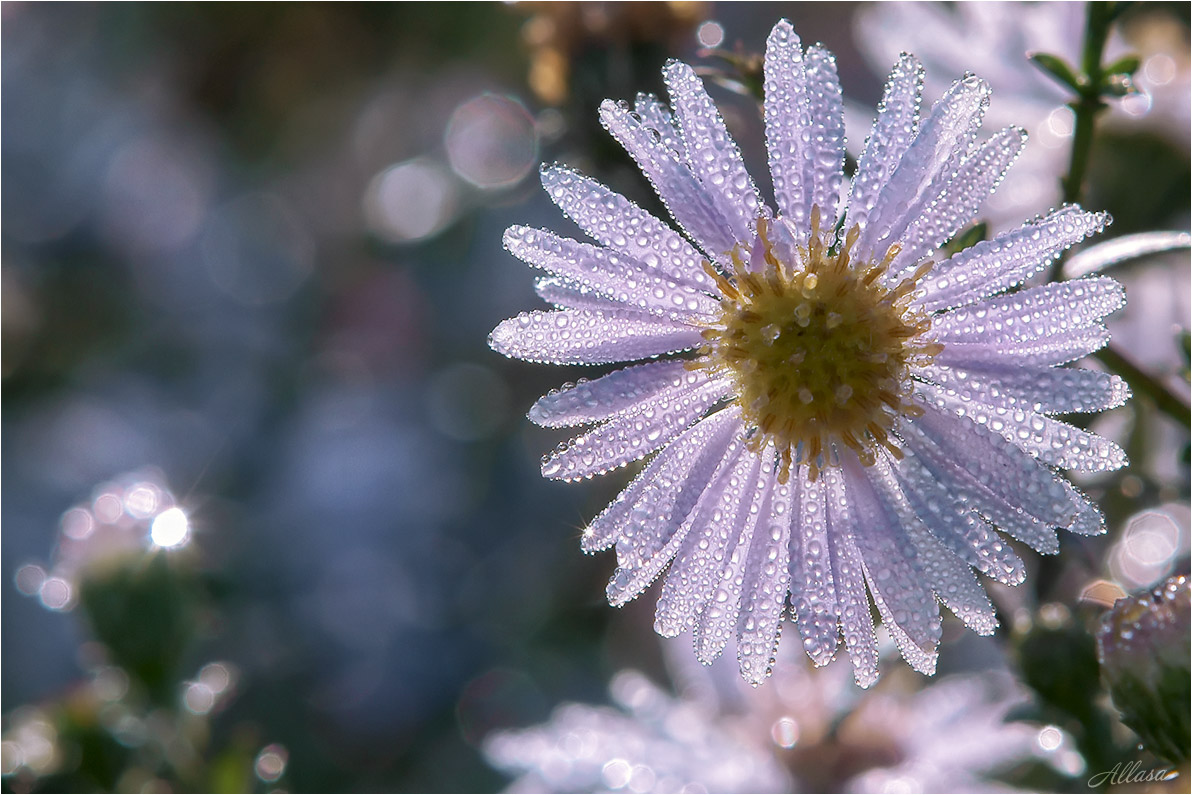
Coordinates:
1088 102
1170 403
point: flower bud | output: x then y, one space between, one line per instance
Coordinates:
1144 648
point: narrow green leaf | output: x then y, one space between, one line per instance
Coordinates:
966 238
1126 65
1057 69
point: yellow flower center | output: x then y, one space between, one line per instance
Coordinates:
819 353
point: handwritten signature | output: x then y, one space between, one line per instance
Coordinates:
1131 773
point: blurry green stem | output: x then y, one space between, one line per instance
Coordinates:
1165 399
1088 102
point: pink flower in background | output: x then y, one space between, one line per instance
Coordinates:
853 414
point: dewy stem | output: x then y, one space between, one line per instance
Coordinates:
1165 399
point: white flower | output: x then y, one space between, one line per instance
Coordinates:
856 417
808 733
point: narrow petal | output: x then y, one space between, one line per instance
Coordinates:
718 621
900 591
613 395
614 221
895 127
948 575
824 167
1054 350
766 583
1089 520
715 525
655 114
680 457
978 176
849 577
939 494
927 165
1123 249
1008 259
1037 313
788 119
618 277
1048 391
712 153
579 336
563 294
813 594
663 516
997 463
686 199
632 436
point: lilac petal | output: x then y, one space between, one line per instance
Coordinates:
849 577
1055 350
662 516
978 176
997 463
582 336
614 394
1037 313
1008 259
939 493
712 153
1050 440
927 165
718 620
563 294
824 167
632 436
656 115
676 461
895 127
614 221
601 270
1048 391
1089 520
716 523
813 594
788 118
907 606
688 202
948 575
766 583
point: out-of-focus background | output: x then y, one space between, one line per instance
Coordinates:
250 257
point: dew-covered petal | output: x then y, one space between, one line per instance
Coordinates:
825 152
1050 440
900 592
895 127
849 578
656 115
947 574
614 221
926 166
813 594
634 435
1122 249
584 336
766 583
712 153
788 126
1089 521
1055 350
718 620
662 516
999 464
943 496
1036 313
614 394
685 198
618 277
715 526
563 294
1008 259
978 176
675 462
1045 390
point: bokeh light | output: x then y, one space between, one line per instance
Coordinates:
170 528
492 142
410 201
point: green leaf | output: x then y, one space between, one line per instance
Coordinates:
967 238
1118 86
1057 69
1126 65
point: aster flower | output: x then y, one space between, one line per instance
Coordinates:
809 733
852 419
